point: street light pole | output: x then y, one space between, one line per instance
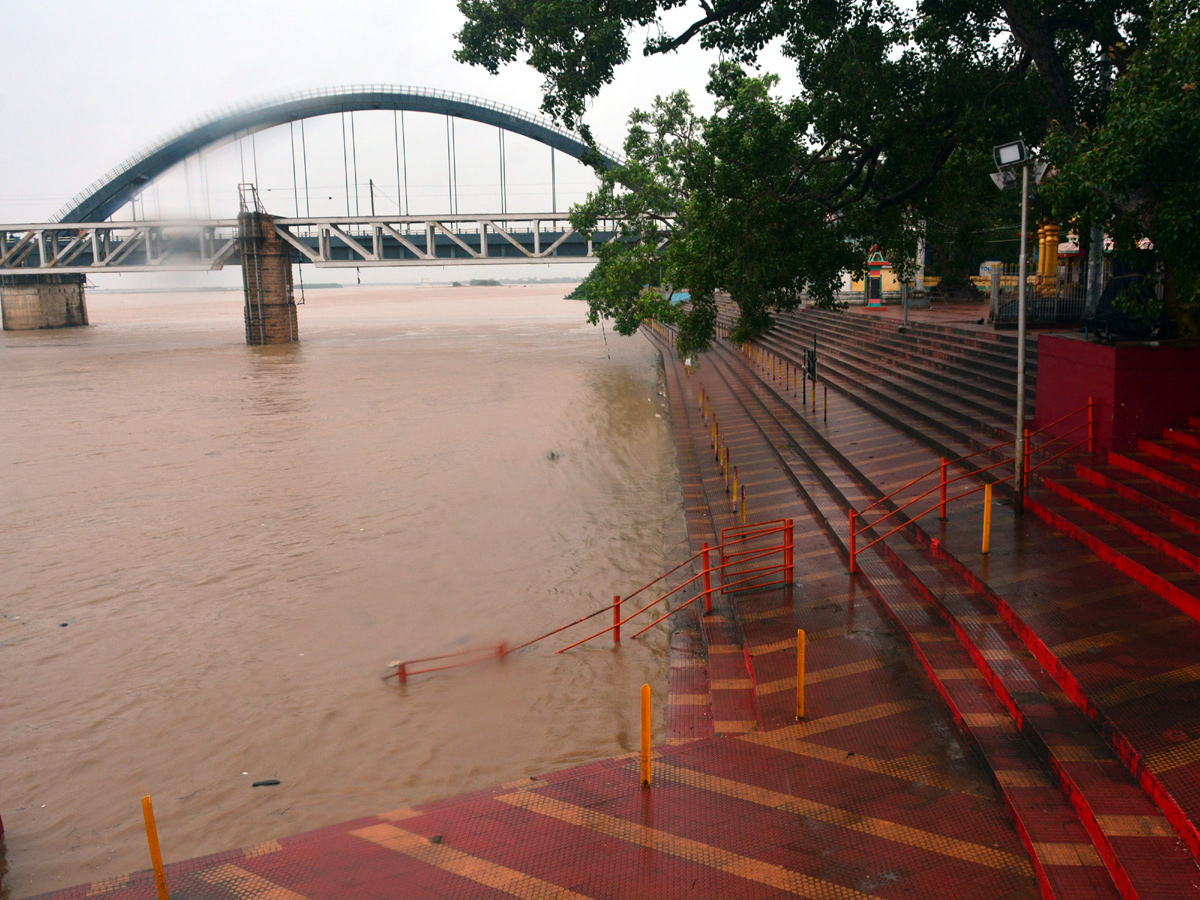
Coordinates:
1019 444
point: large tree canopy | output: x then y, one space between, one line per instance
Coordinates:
891 132
1136 172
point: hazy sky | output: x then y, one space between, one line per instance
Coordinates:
86 85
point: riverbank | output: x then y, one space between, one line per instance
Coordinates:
240 540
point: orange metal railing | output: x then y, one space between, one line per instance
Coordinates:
729 558
781 526
944 481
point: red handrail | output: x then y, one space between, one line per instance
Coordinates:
949 462
1090 424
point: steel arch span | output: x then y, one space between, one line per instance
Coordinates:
113 190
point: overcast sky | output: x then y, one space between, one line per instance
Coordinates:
86 85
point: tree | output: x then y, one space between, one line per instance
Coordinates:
894 126
1135 172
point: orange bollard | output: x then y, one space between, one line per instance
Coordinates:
853 567
645 735
160 877
743 505
735 487
800 642
616 619
402 673
942 511
707 583
987 518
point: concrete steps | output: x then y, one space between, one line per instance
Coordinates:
945 608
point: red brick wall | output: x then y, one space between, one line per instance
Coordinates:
270 308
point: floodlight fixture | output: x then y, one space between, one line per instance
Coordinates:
1005 179
1007 155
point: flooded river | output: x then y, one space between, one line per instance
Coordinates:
211 552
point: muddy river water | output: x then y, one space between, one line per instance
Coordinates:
209 553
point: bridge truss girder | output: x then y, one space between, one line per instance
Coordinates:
323 242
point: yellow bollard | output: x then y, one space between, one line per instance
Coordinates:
735 487
799 674
645 735
987 518
743 505
160 878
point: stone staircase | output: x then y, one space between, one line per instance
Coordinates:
1096 669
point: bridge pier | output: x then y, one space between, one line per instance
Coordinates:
30 302
270 308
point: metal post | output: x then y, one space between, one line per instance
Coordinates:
1019 454
904 300
1095 271
1091 425
1028 453
707 582
790 541
616 619
942 511
853 568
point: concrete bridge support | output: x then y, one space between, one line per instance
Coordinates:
270 309
29 302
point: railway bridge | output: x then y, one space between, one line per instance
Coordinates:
44 266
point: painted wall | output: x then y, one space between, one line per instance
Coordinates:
1139 389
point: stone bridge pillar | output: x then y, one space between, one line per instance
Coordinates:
29 302
270 309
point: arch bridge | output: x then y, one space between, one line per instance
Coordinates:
43 265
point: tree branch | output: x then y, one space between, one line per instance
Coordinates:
713 16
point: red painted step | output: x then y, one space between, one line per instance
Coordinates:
1171 580
1130 516
1176 508
1173 476
1172 452
1189 437
1090 775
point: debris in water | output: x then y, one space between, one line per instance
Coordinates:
266 782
